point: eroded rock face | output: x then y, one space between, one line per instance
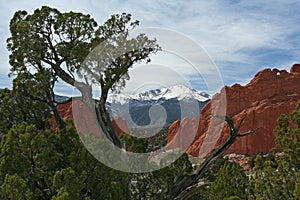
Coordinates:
173 130
120 125
181 133
295 68
268 95
84 120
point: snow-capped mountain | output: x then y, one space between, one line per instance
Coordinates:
178 101
180 92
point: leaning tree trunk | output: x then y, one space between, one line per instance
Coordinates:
101 114
100 110
60 122
105 122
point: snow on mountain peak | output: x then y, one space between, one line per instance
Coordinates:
118 98
178 91
184 92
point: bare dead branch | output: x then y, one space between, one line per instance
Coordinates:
246 133
219 116
241 122
190 191
187 186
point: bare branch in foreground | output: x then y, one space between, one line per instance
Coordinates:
246 133
187 186
190 191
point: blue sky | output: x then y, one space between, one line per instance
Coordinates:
240 37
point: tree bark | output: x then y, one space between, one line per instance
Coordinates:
60 122
101 114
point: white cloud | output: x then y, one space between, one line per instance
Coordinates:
230 31
152 76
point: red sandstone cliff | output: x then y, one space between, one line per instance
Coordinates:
84 120
269 94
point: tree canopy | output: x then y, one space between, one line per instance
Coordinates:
61 43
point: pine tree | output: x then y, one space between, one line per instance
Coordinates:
278 177
44 164
231 181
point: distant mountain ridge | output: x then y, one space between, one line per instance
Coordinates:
61 99
178 102
179 92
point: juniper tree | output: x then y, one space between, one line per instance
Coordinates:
60 42
278 178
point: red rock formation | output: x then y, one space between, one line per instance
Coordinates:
295 68
181 134
120 125
84 120
268 95
173 130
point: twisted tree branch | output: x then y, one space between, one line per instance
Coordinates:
187 186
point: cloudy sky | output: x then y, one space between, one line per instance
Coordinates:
228 41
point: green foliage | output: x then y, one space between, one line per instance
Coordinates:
7 107
228 179
48 38
32 154
297 187
68 184
277 177
157 184
233 198
14 187
26 102
16 108
33 96
135 144
231 181
202 194
49 35
153 143
44 164
116 53
71 46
